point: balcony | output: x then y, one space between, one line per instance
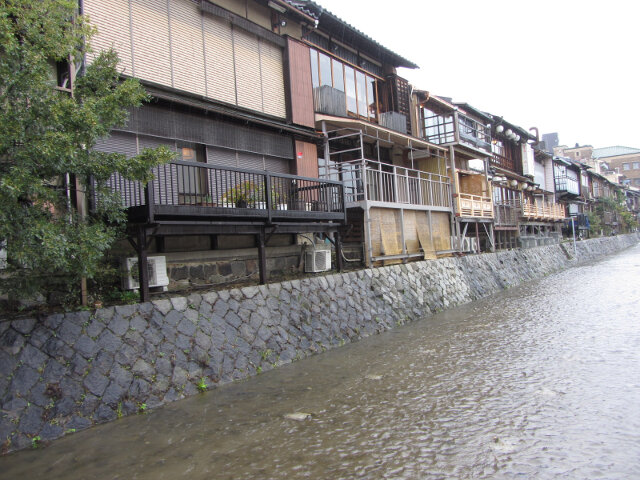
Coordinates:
546 211
187 192
474 206
370 181
566 184
442 129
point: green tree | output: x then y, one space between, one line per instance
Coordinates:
46 137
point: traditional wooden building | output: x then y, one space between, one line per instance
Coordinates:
466 133
526 213
397 190
224 77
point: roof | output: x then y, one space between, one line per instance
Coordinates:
346 33
614 151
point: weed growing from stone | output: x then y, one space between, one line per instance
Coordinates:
202 385
35 441
119 410
142 407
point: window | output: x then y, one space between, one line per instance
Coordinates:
360 89
636 165
625 166
192 179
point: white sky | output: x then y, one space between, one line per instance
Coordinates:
566 66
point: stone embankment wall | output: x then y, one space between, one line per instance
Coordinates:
66 372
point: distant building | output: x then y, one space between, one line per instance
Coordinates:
550 141
624 161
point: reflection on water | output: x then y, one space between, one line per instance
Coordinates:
542 381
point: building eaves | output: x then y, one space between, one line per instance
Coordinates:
347 33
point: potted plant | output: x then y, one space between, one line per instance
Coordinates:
243 194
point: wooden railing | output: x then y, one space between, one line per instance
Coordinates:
474 206
545 211
503 162
184 189
378 182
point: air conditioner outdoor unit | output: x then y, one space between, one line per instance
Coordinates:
317 260
157 267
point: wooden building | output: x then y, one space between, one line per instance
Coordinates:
226 97
526 213
466 134
397 191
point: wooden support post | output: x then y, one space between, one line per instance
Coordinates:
262 259
143 270
339 259
477 238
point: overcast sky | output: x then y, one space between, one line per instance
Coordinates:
565 66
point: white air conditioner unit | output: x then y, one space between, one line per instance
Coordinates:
157 267
317 260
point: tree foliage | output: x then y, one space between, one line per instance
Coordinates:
47 136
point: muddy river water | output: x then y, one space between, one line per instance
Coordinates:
540 381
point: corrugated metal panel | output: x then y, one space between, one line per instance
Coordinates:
118 142
112 20
219 59
155 120
222 156
300 84
125 144
272 80
251 161
277 165
330 100
248 76
150 20
165 191
187 52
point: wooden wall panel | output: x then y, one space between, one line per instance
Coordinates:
150 21
306 159
186 47
273 97
112 20
218 39
300 86
248 76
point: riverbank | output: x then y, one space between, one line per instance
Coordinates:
66 372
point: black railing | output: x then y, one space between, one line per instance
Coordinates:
199 189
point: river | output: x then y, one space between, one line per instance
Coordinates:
540 381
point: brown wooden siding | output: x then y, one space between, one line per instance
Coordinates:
300 84
306 159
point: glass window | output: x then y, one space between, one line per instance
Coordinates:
625 166
325 70
636 165
361 83
350 89
371 98
338 75
314 67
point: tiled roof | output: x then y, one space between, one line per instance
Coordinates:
349 32
614 151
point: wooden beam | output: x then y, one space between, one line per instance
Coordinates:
143 270
262 259
339 259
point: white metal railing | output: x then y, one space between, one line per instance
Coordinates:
380 182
